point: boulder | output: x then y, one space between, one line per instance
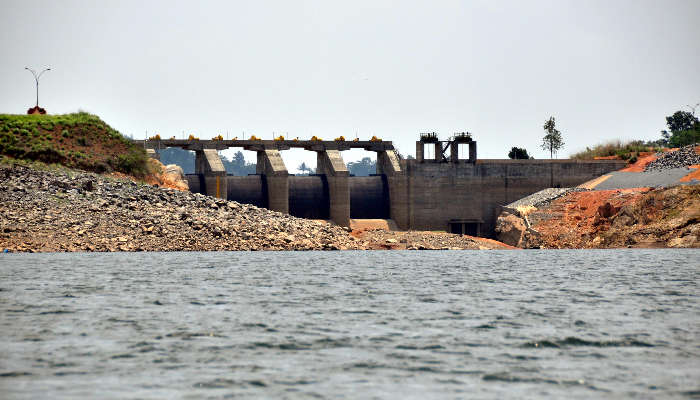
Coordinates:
175 176
682 242
510 229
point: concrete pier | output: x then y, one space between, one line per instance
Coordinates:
330 163
389 165
209 166
271 166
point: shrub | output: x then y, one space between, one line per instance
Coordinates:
614 148
517 153
134 163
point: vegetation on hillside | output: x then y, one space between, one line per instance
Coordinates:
78 140
684 129
616 148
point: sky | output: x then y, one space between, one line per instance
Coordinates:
604 69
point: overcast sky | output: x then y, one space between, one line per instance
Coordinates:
604 69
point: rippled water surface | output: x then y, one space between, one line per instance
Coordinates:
470 324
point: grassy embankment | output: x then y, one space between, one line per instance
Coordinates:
79 140
625 151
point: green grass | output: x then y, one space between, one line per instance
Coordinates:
626 151
79 140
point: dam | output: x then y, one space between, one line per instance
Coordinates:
444 188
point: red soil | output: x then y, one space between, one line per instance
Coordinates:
583 214
643 159
693 175
495 243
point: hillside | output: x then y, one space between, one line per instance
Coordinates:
654 202
665 217
80 140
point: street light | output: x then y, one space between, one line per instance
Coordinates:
36 78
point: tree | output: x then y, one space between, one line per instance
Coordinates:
685 137
681 121
552 141
183 158
238 160
237 165
517 153
684 127
303 168
364 167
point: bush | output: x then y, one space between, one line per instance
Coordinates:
614 148
134 163
517 153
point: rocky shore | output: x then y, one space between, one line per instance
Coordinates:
68 210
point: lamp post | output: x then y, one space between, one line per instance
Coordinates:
36 78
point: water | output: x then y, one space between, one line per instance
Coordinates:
471 324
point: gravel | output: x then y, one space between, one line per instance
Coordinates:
543 197
683 157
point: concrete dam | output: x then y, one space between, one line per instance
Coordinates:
446 191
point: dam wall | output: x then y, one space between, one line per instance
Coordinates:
369 197
444 192
434 196
308 197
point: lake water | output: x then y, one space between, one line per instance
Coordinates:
451 324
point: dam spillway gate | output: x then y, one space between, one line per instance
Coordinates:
309 196
331 194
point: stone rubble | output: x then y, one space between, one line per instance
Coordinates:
683 157
78 211
68 210
381 239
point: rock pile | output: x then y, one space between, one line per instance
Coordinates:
77 211
683 157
